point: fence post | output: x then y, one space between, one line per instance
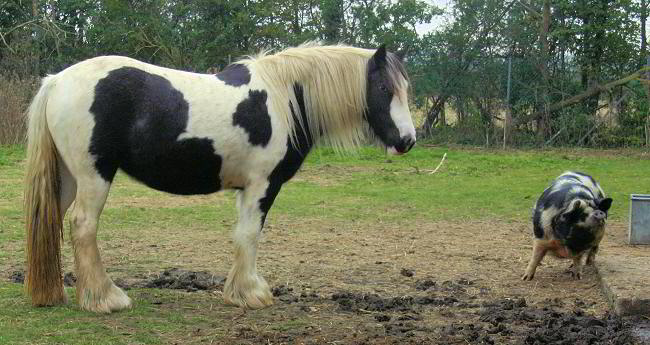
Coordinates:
506 118
645 80
647 93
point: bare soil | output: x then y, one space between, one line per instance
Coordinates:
354 282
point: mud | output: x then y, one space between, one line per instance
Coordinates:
180 279
547 325
287 295
18 277
472 320
448 312
356 302
173 278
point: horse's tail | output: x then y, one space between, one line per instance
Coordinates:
42 206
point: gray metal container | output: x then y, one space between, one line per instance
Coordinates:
639 232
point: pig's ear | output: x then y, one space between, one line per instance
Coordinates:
575 204
571 210
605 204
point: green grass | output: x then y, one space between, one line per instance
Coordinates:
476 184
145 324
367 186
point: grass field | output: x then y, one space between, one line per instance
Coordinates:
348 223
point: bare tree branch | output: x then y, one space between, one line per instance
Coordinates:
2 35
592 91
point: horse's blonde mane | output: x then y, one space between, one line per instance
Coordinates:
333 79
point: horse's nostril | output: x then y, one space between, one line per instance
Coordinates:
410 145
405 144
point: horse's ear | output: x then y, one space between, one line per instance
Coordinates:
401 54
380 56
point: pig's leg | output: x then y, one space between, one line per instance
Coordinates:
592 256
578 264
539 250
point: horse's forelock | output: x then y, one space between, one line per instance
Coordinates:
397 74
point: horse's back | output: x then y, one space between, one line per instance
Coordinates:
127 114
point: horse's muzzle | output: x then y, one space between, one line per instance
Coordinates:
405 145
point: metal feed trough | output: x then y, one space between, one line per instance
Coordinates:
639 232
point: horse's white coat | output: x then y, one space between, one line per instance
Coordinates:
401 115
212 104
210 116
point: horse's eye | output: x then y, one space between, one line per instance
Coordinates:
383 87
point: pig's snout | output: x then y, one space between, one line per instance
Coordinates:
599 216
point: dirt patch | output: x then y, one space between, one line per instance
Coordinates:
18 277
287 295
490 322
547 325
352 282
448 312
173 278
180 279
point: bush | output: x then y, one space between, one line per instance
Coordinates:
15 95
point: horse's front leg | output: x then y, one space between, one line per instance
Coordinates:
244 287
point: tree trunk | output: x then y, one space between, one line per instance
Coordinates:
647 93
332 19
544 121
36 56
644 55
295 21
593 46
644 19
432 115
485 110
507 119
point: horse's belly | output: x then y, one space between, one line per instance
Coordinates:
188 166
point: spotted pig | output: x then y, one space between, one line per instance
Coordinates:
569 221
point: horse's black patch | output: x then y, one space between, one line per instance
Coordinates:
293 158
235 75
138 118
379 95
253 117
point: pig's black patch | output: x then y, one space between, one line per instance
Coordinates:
579 239
604 204
561 199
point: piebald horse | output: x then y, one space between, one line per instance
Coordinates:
248 128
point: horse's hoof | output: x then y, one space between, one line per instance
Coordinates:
104 302
527 277
250 301
255 295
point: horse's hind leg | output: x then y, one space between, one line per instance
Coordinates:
68 188
244 287
95 290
